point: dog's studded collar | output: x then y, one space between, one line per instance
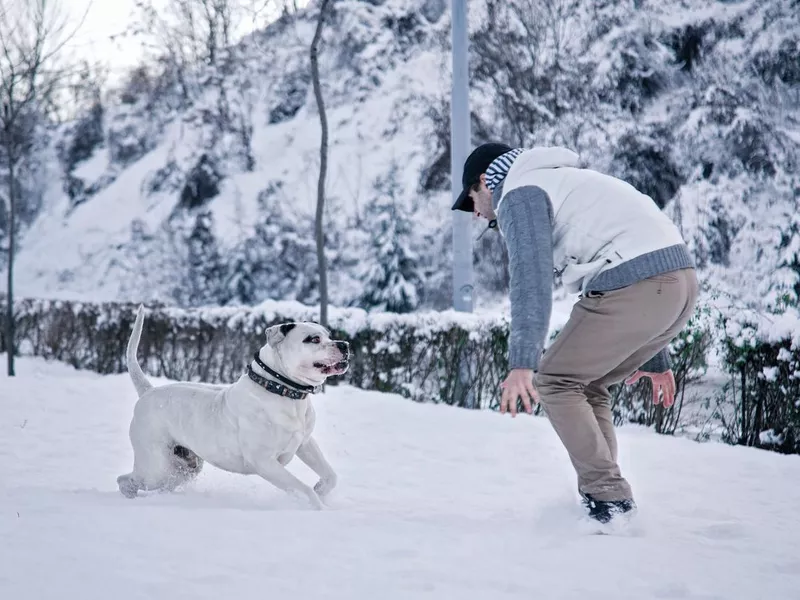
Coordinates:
274 386
295 391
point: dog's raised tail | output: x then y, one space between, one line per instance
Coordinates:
140 381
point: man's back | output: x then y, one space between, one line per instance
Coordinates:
598 221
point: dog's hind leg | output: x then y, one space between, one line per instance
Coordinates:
187 459
130 483
187 465
154 466
151 472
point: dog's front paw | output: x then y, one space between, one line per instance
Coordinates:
324 486
316 502
127 486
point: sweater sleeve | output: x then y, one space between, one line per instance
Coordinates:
525 218
660 363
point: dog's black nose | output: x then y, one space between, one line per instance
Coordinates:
343 347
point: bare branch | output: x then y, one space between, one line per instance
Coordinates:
55 31
33 33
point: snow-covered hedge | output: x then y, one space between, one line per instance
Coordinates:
420 356
761 406
425 356
417 355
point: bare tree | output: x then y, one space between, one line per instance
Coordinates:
32 34
187 34
196 31
262 12
323 166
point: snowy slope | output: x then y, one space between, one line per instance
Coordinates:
434 502
376 95
694 101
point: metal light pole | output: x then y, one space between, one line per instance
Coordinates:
459 149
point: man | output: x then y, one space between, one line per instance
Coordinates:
611 244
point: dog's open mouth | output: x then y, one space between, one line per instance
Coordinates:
332 368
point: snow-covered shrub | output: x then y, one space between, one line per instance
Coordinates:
389 273
637 70
688 44
165 179
782 63
205 269
743 236
761 404
128 138
84 138
435 176
785 290
144 104
738 125
291 94
433 10
407 29
137 86
279 260
202 183
644 157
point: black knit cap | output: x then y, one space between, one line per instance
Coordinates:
475 166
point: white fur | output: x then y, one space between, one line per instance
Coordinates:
242 427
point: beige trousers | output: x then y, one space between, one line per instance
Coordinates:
607 338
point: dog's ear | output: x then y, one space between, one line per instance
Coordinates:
276 333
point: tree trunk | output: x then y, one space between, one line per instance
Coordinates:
323 167
745 408
10 297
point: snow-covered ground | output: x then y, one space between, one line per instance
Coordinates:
433 502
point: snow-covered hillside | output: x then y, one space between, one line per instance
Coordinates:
433 502
127 230
201 188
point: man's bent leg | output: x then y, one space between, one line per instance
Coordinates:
574 420
599 399
601 334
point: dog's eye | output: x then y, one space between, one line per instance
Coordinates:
312 340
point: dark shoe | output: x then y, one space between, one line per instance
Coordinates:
605 510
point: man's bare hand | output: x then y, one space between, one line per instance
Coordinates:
518 384
663 385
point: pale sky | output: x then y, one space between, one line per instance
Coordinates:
104 19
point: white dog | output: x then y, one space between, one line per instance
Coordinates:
253 427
